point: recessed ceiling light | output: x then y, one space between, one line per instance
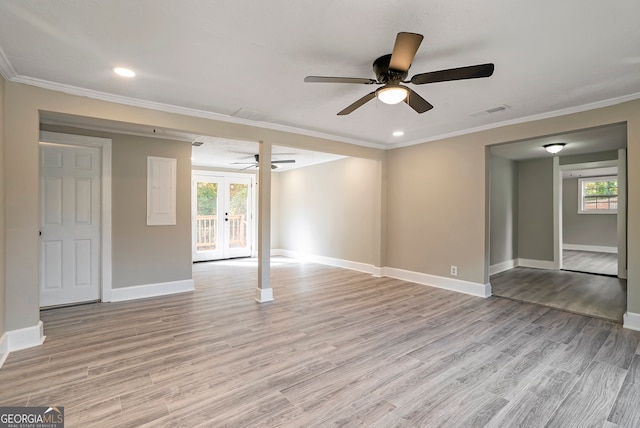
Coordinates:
124 72
398 133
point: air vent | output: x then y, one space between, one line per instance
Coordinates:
197 143
491 110
243 113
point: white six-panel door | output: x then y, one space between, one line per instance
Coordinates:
70 224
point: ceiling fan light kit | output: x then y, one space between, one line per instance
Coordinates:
554 148
392 69
391 94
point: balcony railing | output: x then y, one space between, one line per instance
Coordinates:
207 231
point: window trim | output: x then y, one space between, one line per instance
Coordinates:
581 195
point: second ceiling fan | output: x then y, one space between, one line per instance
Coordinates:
391 70
257 161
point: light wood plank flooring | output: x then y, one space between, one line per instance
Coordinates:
589 261
337 347
581 293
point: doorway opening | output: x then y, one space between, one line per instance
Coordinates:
533 203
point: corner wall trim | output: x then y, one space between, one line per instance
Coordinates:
24 338
502 266
593 248
631 321
466 287
537 264
151 290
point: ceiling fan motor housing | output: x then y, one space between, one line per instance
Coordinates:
384 74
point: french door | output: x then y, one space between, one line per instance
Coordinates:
222 216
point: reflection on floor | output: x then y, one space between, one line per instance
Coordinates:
581 293
589 261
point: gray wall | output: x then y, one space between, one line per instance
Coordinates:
148 254
2 280
145 254
589 157
535 209
504 210
585 229
275 210
329 209
436 208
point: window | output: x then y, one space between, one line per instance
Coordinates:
598 195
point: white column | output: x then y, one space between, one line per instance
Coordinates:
264 292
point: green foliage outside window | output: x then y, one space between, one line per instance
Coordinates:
599 195
601 188
207 198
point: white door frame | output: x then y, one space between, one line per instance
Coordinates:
104 144
252 202
621 163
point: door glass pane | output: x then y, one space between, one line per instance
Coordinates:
207 216
238 201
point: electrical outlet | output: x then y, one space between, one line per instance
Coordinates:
454 270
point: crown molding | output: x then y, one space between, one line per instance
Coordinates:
525 119
185 111
6 69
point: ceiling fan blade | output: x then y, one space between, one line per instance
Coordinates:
470 72
324 79
358 103
416 102
404 51
284 161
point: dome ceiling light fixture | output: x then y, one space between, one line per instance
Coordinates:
554 147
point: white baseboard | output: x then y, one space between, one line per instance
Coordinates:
538 264
502 266
631 321
264 295
330 261
475 289
592 248
151 290
4 348
467 287
24 338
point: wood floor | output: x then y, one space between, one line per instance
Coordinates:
589 261
336 348
581 293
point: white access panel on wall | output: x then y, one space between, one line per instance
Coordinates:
70 183
161 191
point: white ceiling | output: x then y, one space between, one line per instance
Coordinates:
214 59
234 154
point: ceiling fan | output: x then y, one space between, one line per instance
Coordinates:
257 159
392 69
